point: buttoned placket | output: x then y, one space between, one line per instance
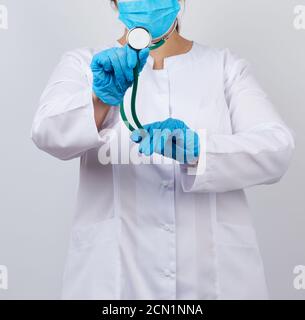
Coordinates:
167 225
167 191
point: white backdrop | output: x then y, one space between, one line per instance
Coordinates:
37 192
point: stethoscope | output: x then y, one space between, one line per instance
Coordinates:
140 38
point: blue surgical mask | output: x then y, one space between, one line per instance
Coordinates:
157 16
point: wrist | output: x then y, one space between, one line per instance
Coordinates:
98 101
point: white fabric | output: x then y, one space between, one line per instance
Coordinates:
153 231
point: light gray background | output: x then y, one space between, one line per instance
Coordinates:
37 192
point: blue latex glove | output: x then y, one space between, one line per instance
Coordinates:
113 72
171 138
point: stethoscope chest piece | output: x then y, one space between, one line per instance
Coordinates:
139 38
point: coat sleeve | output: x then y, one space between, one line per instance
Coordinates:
260 147
64 124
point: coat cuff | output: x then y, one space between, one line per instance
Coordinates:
197 178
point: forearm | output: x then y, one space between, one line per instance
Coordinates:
232 162
100 111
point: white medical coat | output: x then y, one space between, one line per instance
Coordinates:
154 231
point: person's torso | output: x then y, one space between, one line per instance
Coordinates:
135 229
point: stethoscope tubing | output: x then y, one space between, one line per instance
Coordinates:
134 94
136 83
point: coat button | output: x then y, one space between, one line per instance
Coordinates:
166 227
167 184
169 274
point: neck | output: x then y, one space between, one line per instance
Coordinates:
175 45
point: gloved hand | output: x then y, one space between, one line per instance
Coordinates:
171 138
113 72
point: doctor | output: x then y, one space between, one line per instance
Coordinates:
154 231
